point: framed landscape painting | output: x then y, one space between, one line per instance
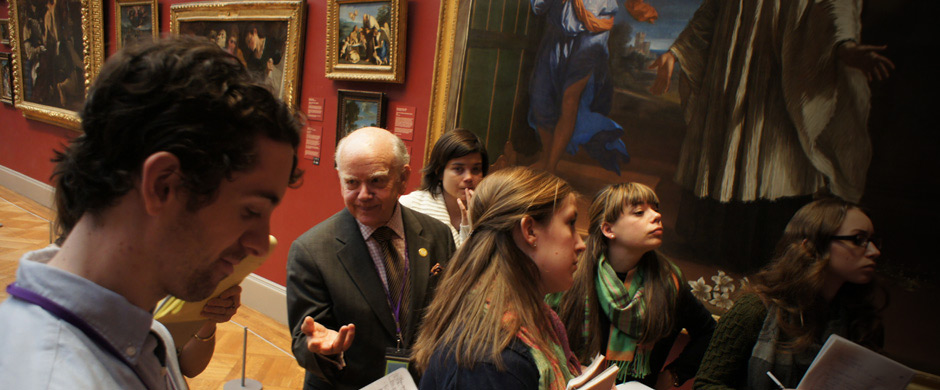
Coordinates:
58 47
365 40
138 22
264 35
357 109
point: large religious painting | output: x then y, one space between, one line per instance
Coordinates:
736 113
264 35
58 46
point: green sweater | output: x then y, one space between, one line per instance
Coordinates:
725 363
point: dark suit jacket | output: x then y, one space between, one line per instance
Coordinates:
331 277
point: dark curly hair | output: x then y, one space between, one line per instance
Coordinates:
452 144
181 95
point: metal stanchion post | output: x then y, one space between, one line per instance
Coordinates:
243 383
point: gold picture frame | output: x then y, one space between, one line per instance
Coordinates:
444 67
358 109
365 40
136 21
51 78
265 35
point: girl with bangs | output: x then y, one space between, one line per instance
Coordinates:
488 326
629 302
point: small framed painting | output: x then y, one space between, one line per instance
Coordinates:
138 22
357 109
365 40
6 79
5 31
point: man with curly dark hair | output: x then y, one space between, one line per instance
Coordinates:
183 158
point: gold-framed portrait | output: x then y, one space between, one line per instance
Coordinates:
58 47
265 35
365 40
136 21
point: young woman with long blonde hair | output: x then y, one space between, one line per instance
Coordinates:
488 326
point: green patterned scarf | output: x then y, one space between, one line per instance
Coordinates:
625 309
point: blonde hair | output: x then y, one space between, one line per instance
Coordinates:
608 205
490 276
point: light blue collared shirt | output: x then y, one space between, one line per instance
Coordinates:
41 351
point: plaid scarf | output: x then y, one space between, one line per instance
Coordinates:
556 363
625 309
787 366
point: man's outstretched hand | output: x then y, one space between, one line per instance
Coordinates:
327 341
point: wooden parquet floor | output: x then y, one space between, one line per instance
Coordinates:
26 227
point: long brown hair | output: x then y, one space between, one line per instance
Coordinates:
793 281
608 205
490 276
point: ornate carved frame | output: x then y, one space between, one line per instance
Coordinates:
290 11
449 55
92 55
392 73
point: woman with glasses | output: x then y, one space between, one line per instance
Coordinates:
820 283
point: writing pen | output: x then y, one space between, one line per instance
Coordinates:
773 378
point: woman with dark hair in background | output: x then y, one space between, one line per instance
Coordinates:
819 284
488 326
629 302
457 164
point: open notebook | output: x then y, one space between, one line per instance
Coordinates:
594 377
842 364
182 318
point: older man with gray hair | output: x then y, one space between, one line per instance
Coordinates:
358 282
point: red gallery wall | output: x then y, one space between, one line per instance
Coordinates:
26 146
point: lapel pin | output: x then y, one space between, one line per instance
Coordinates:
423 252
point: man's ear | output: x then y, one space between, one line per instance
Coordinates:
160 178
405 174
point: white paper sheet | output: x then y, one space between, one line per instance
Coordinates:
842 364
399 379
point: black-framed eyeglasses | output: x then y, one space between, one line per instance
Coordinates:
860 240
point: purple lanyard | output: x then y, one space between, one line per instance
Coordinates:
65 315
396 309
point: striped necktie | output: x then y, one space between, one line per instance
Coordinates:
395 274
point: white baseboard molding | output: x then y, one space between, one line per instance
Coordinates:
266 297
33 189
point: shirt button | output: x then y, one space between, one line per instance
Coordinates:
131 351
